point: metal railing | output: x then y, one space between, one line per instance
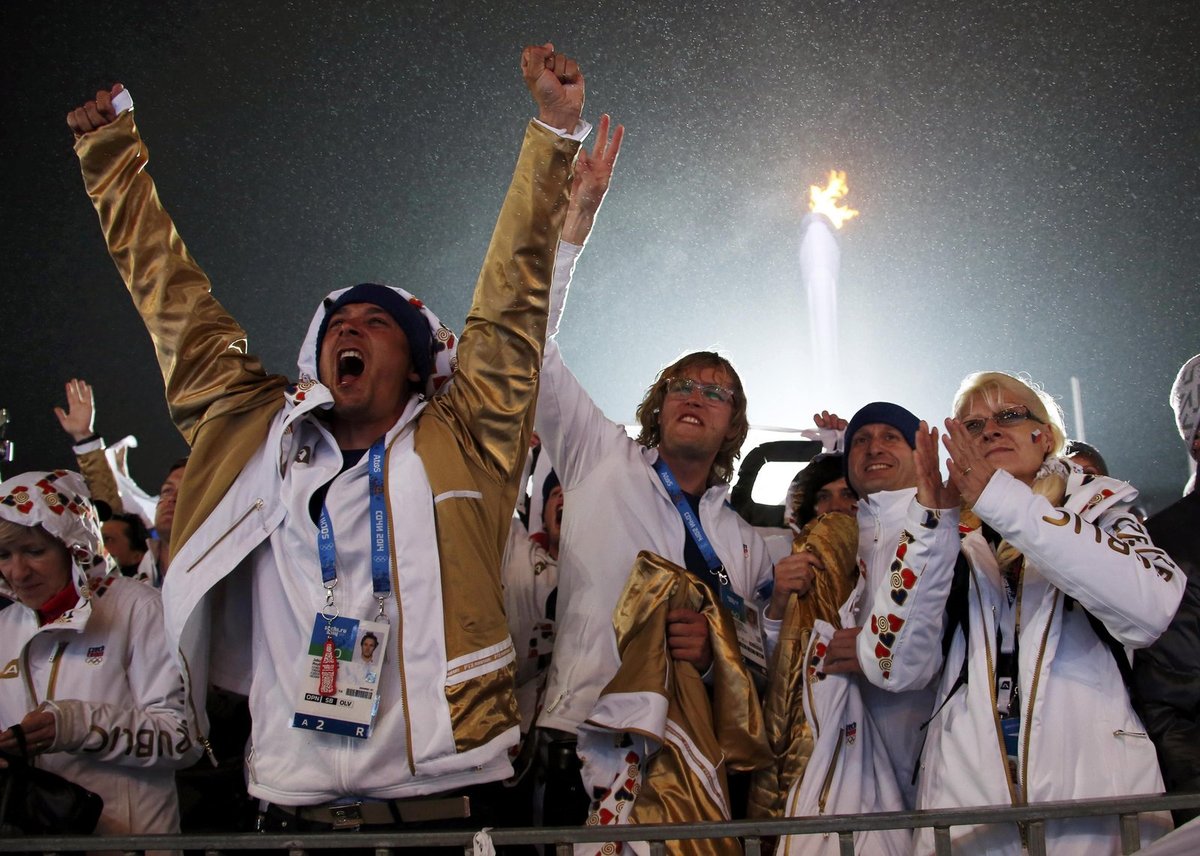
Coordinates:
1034 817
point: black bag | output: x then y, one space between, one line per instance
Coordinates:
38 802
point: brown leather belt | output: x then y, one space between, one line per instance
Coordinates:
384 812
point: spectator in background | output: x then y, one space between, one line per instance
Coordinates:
1185 401
530 579
92 682
164 514
78 421
1087 456
147 556
819 488
127 541
1166 676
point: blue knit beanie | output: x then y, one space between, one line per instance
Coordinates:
411 321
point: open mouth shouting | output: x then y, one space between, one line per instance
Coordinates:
350 366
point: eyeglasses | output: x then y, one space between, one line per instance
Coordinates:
681 387
1007 417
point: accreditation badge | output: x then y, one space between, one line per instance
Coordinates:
339 686
749 630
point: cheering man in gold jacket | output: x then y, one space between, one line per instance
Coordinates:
371 496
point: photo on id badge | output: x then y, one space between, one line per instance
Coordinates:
340 676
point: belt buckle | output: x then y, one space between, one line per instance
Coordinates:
347 816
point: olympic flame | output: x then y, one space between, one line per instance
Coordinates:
826 200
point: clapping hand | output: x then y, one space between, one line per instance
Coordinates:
931 492
970 471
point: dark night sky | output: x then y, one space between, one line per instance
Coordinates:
1026 172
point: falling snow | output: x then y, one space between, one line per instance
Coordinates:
1026 172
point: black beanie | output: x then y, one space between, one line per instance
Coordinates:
550 483
411 321
886 413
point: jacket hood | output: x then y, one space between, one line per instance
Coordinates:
1185 399
308 392
58 502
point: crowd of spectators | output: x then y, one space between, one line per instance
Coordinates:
428 584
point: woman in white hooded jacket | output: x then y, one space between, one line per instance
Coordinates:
85 669
1031 705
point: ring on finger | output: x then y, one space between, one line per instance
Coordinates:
967 471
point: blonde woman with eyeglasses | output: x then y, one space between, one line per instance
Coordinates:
1054 581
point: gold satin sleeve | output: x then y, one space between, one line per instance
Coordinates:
500 349
101 482
475 436
834 540
219 395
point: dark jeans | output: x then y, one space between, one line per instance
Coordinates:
565 803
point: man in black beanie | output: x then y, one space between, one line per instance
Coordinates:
879 448
893 529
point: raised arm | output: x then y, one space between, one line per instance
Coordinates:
78 421
201 350
574 430
556 84
215 389
502 343
900 645
593 173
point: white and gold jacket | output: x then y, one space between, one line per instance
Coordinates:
240 591
1079 736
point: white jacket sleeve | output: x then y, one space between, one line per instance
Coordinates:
560 284
574 432
900 646
148 725
1110 566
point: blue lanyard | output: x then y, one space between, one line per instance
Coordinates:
381 580
691 521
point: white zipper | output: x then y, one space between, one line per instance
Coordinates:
557 701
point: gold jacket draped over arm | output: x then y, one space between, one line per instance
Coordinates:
834 540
